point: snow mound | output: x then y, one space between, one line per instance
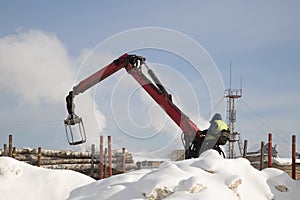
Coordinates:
208 177
19 180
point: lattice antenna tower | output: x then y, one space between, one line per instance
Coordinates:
234 138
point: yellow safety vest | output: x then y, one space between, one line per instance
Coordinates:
220 126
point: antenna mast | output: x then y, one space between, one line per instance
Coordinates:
234 137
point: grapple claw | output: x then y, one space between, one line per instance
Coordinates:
75 131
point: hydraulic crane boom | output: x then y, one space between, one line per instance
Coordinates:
132 64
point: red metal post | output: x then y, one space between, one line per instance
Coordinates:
10 146
101 158
270 150
123 161
39 157
294 157
109 157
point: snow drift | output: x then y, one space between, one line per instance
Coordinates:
208 177
19 180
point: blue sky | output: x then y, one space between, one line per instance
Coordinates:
261 39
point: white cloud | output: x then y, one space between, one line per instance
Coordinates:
35 67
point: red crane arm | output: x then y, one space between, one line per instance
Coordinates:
132 64
164 100
103 73
160 96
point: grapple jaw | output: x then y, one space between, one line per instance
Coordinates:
75 131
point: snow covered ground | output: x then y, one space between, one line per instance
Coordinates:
209 177
284 161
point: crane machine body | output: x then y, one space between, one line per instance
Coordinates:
192 136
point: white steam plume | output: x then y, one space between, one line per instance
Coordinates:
35 67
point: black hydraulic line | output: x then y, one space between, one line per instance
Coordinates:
156 80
